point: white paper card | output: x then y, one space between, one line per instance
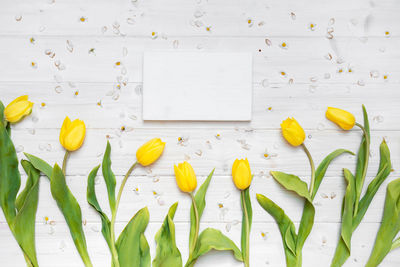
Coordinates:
197 86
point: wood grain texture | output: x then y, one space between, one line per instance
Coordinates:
83 58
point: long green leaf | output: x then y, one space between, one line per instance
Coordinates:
286 228
213 239
132 247
384 170
10 178
167 253
292 183
362 157
24 223
246 222
200 203
40 164
92 200
71 211
323 166
390 225
109 176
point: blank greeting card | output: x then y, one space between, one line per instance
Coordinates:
197 86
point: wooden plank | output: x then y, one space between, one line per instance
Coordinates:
119 60
223 199
102 106
205 151
191 18
54 245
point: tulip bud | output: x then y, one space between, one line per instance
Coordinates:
185 177
342 118
293 132
150 151
241 173
72 134
18 108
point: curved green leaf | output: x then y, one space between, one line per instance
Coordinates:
323 166
40 164
293 183
390 225
200 203
133 249
213 239
362 158
348 209
92 200
286 228
24 223
71 211
385 167
167 253
109 176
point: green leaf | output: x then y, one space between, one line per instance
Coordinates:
362 157
323 166
167 253
384 170
200 203
292 183
10 179
247 219
40 164
71 211
390 225
24 223
92 200
286 228
109 177
213 239
132 247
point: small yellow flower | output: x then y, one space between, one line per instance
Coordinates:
72 134
241 173
150 151
293 132
18 108
185 177
342 118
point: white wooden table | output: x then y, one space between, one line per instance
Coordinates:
83 58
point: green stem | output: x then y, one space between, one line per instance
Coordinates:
196 234
312 169
246 217
64 164
364 171
114 216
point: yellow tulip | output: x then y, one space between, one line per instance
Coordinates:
342 118
150 151
241 173
72 134
293 132
185 177
18 108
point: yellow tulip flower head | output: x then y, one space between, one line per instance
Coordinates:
241 173
342 118
18 108
185 177
72 134
150 151
293 132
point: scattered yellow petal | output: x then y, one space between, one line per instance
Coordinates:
266 155
179 138
283 44
43 104
76 93
82 19
118 63
220 205
385 77
32 40
208 28
122 128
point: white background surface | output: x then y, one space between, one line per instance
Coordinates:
345 71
